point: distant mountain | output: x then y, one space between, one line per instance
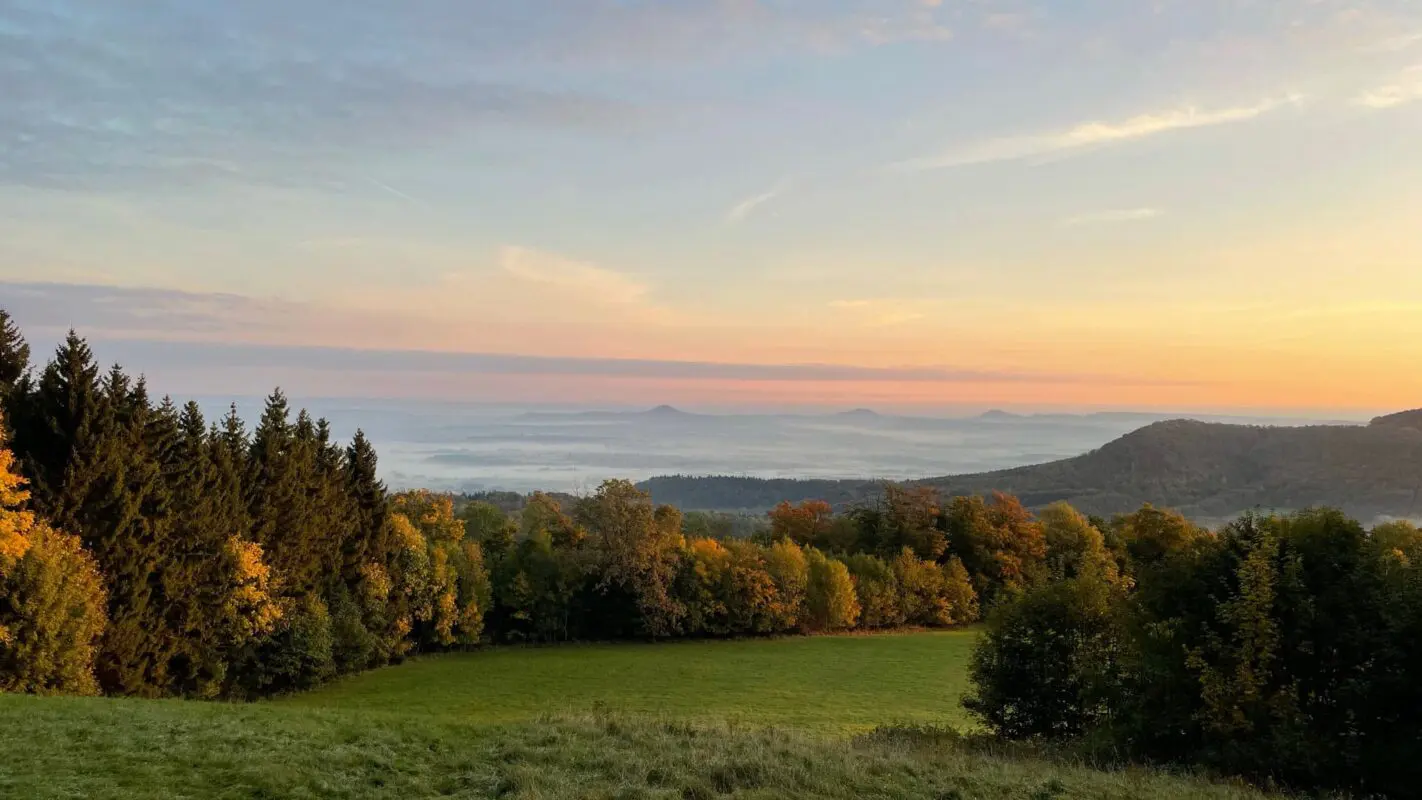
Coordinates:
1207 470
665 412
998 415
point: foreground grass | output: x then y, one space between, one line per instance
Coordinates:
122 749
826 684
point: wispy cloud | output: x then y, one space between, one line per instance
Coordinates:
1407 89
1395 44
1093 134
391 190
588 281
1112 216
742 210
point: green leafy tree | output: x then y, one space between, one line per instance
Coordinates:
1075 547
877 589
1046 666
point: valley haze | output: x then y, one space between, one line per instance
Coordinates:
471 447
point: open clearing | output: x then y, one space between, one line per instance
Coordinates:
827 684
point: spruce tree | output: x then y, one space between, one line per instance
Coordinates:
369 541
273 492
228 448
59 444
197 576
127 527
14 354
337 507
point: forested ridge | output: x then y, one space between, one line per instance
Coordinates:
1209 471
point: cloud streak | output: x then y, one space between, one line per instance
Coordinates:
1407 89
741 211
587 281
1113 216
1089 135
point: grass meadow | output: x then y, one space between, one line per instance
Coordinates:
820 684
786 718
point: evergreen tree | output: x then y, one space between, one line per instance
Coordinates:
274 491
228 448
59 442
199 564
14 351
369 539
127 527
14 366
336 513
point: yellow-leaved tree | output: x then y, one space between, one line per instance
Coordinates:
51 600
439 574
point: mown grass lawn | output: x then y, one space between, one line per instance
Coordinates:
823 684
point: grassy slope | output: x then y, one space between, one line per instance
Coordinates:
93 748
822 684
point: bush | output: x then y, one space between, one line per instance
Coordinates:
298 654
1047 663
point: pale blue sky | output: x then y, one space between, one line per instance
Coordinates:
1129 194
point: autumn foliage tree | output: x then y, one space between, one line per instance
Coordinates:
52 599
805 524
831 603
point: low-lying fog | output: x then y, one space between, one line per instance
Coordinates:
474 447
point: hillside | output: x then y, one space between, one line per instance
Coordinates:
1207 470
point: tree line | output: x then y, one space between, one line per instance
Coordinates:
1283 647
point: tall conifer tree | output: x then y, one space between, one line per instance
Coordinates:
127 528
60 443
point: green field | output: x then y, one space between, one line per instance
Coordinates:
699 720
820 683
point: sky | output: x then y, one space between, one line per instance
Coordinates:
1183 204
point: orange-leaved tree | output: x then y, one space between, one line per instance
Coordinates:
52 600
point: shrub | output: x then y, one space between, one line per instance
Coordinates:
298 654
1047 662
